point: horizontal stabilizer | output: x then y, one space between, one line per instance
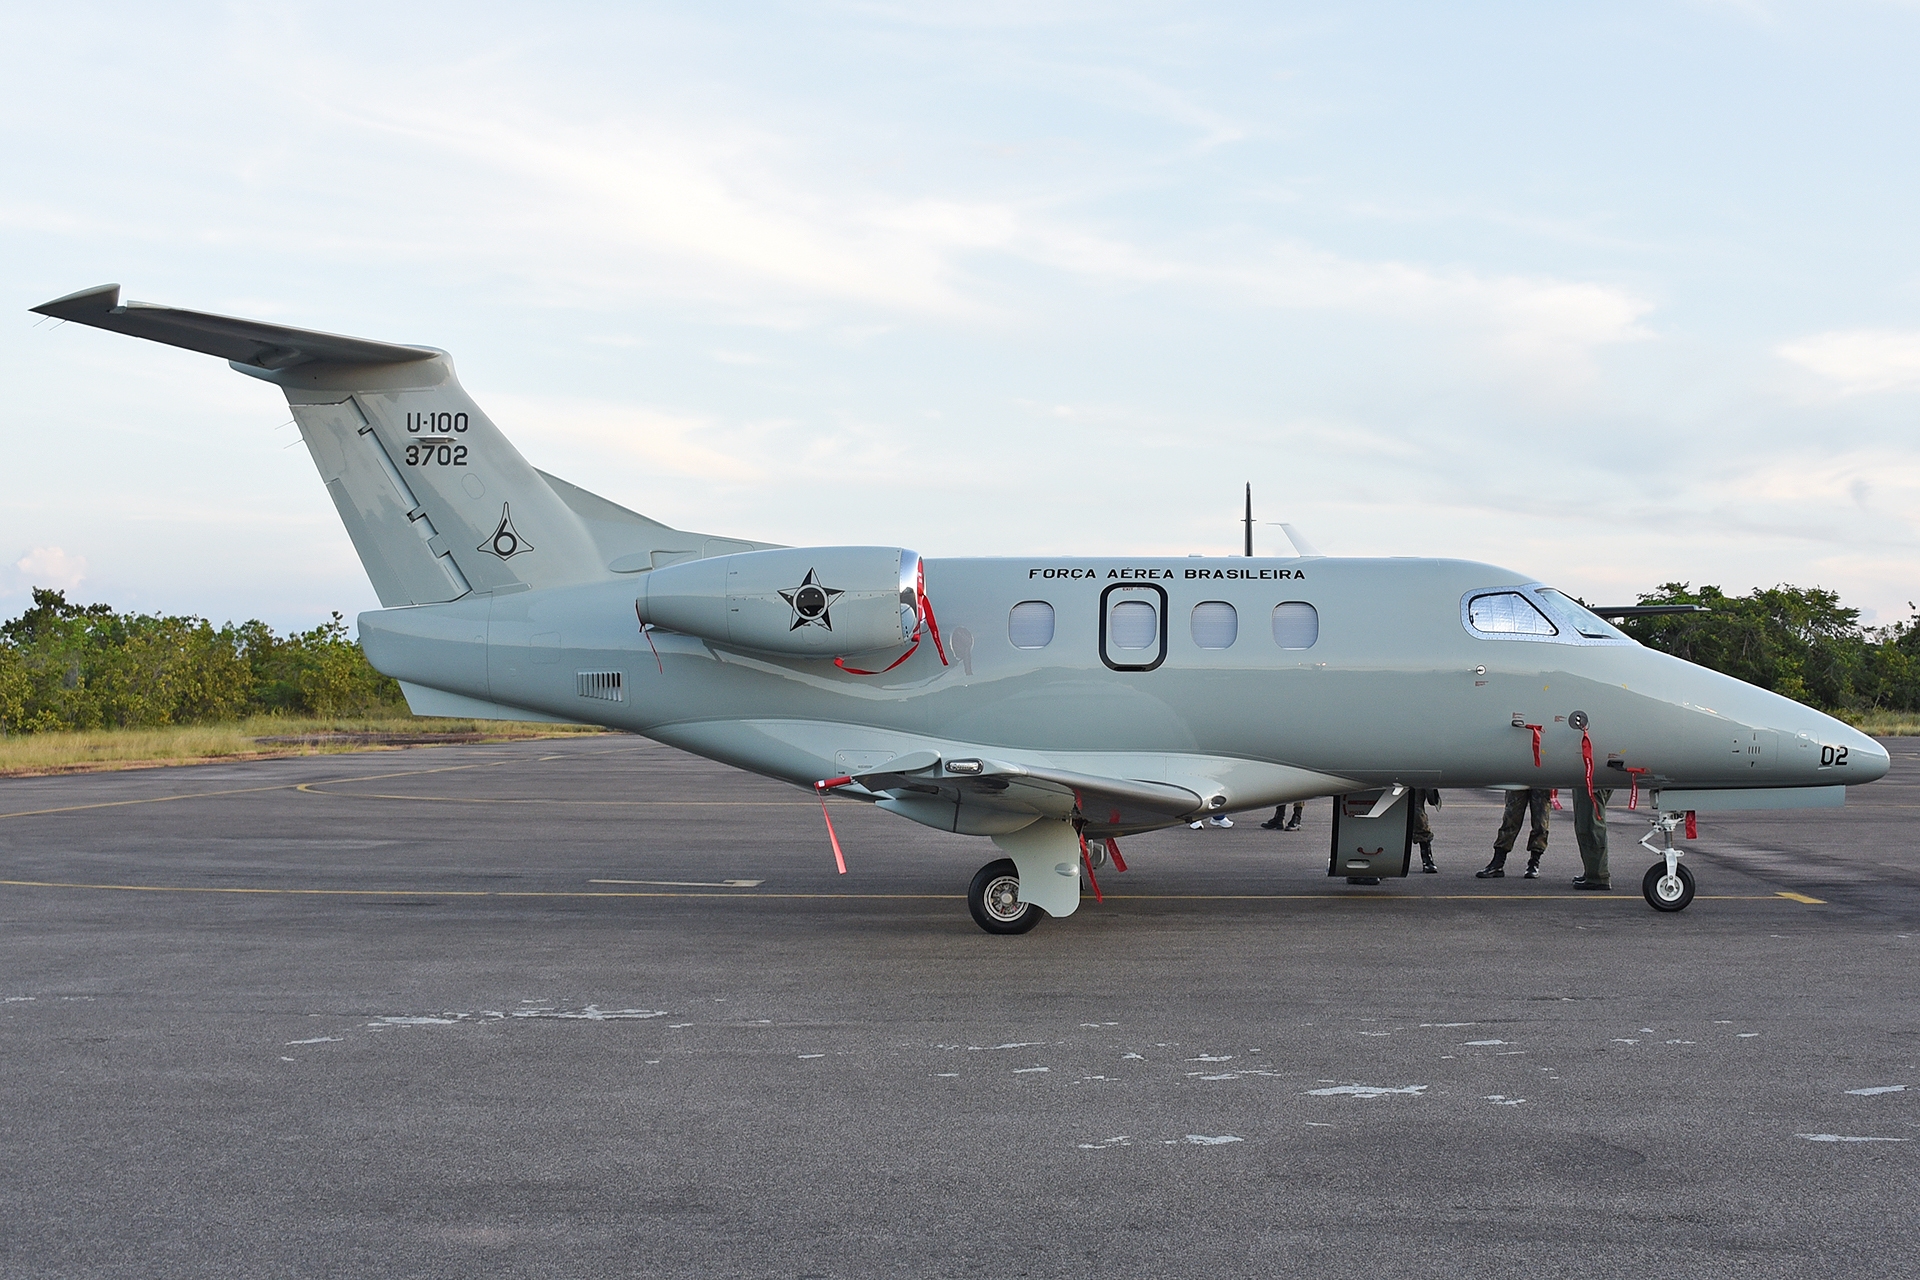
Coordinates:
248 342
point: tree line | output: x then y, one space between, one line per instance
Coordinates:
1800 642
72 666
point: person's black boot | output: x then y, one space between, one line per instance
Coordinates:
1496 870
1533 868
1276 822
1426 858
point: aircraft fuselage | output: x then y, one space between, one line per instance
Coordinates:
1392 686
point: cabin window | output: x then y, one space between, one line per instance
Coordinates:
1296 625
1030 624
1134 624
1215 624
1508 613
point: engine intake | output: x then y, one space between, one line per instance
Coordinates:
816 602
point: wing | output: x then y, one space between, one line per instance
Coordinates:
983 795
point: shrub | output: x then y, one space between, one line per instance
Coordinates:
70 666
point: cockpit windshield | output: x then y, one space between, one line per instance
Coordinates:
1535 613
1589 624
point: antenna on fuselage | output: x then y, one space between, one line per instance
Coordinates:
1248 521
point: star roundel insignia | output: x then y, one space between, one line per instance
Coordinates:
811 603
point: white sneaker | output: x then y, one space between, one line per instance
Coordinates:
1195 825
1221 820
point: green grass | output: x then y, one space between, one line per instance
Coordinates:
34 753
1884 724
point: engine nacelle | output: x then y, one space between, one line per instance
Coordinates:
820 602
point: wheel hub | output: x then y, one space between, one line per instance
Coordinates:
1003 898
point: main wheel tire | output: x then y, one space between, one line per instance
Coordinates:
994 900
1664 892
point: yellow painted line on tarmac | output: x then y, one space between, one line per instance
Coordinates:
1420 897
739 894
444 893
1801 897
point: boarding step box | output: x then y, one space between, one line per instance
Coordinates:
1372 833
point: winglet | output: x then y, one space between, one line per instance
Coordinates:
251 343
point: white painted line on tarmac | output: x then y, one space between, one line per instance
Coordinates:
690 884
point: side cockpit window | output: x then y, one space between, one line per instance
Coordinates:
1507 613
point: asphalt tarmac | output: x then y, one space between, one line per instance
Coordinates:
594 1007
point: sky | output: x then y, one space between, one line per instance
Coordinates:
1611 294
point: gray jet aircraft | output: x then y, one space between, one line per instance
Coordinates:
1054 705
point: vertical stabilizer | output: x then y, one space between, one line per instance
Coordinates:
438 502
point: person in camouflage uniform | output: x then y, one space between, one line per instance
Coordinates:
1519 805
1279 821
1422 829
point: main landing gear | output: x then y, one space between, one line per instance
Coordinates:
1668 886
994 899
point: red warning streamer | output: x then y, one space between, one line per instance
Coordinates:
1086 860
649 636
1536 743
820 789
923 618
1633 787
1113 851
1693 828
1586 754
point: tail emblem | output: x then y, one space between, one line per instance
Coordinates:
505 542
812 603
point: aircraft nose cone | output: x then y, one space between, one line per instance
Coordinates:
1870 759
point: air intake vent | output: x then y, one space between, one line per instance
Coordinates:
604 685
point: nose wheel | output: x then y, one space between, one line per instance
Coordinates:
1667 886
1667 890
993 899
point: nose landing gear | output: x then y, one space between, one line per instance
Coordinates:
1667 886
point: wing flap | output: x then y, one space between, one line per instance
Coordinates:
248 342
1108 805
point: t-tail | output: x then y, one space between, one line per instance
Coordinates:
438 502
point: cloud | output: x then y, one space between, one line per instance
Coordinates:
51 567
759 213
1859 360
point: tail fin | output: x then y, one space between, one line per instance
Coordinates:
437 501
